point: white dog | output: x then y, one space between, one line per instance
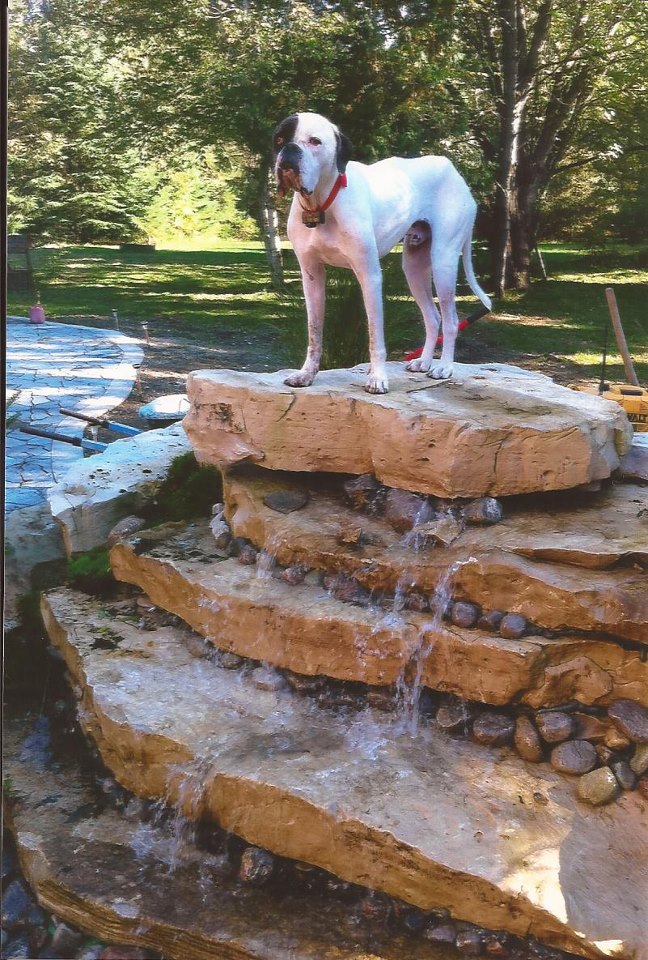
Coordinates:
348 214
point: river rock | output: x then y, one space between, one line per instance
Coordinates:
491 620
124 528
454 718
443 531
404 510
484 511
286 501
598 787
588 727
491 430
616 740
493 729
464 614
294 574
574 757
554 726
631 719
639 761
513 626
527 740
247 555
364 492
625 775
257 867
221 532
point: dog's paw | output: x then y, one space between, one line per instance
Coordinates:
377 383
301 379
420 365
441 371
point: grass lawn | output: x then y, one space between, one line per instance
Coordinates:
559 323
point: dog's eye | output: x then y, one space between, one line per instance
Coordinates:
279 142
315 142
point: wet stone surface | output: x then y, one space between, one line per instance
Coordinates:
574 757
527 740
631 718
598 787
554 726
513 626
493 729
286 501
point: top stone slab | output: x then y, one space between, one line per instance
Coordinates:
493 429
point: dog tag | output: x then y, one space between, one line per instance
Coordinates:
312 218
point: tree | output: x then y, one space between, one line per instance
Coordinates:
71 176
539 77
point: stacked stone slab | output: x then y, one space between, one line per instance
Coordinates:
406 810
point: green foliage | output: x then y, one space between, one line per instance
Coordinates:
187 492
91 572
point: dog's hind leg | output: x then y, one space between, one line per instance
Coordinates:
417 267
314 282
444 272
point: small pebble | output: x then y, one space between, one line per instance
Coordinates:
513 626
485 510
257 866
616 740
362 492
265 678
639 761
222 533
454 718
440 933
469 940
66 940
493 729
625 775
598 787
248 555
464 614
286 501
631 719
574 757
554 727
124 528
294 574
527 740
603 753
231 661
404 510
16 902
346 588
416 601
491 621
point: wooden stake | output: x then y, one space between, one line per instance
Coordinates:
630 375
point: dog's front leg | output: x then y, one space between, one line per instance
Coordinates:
314 283
369 277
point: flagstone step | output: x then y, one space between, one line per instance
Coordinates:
131 882
305 629
532 562
428 819
492 429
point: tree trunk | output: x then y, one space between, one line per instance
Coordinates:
270 228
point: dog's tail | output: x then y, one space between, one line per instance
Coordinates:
466 254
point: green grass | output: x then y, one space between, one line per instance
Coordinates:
191 292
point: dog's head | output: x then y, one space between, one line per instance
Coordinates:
307 146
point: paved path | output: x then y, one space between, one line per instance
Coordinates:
53 365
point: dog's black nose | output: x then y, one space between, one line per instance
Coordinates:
289 157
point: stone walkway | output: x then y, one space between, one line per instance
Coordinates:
49 366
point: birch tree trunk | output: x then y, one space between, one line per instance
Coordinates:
270 227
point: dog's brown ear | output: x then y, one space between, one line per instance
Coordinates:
344 150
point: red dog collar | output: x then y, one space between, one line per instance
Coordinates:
313 218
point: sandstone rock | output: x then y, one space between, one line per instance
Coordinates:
586 727
31 538
631 719
304 629
574 757
124 528
527 740
598 787
491 430
299 791
554 726
616 740
513 626
464 614
286 501
493 729
485 510
625 775
639 761
99 491
553 595
404 510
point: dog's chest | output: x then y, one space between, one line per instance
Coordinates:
325 243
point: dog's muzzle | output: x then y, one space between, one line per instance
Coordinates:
287 168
